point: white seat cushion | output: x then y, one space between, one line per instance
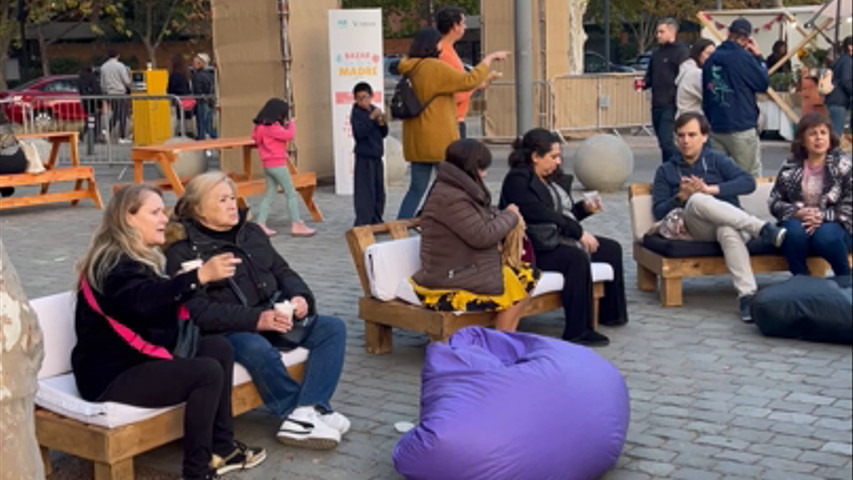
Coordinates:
57 390
389 262
56 319
59 394
642 217
550 282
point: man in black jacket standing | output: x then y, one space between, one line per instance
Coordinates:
660 77
839 100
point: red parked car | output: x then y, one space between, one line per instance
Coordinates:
51 98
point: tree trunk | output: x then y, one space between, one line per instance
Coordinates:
45 58
577 38
8 31
150 46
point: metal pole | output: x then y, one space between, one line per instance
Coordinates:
523 66
606 35
719 4
835 44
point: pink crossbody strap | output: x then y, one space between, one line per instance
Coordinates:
132 338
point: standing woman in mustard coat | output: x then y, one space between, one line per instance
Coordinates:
426 136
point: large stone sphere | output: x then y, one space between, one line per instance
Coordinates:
603 162
395 164
188 164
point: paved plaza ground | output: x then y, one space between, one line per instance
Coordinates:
710 397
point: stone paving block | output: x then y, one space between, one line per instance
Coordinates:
812 399
798 418
748 411
775 451
788 465
787 406
658 469
839 448
797 441
735 468
748 434
845 473
833 412
738 456
787 475
825 458
694 474
834 424
721 441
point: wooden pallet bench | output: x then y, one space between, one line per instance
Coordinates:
652 265
53 174
381 316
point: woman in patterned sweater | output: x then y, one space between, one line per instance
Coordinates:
812 198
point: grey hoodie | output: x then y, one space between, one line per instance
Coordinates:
688 96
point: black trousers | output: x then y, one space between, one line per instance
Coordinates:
203 382
119 110
369 190
463 131
15 163
574 264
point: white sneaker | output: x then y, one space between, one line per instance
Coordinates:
336 421
304 428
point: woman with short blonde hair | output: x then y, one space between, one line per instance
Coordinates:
126 322
251 308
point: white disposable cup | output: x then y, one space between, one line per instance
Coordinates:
594 200
191 265
285 308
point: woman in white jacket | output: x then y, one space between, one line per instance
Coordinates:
688 97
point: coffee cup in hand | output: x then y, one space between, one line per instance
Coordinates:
191 265
285 308
593 201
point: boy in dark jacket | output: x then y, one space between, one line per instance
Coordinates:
706 184
732 76
368 131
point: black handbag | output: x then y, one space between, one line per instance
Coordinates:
188 335
544 236
283 341
404 103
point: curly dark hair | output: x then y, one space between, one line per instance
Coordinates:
810 121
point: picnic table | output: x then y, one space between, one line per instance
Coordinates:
167 153
52 174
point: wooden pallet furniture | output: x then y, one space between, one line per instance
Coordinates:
167 153
381 317
672 271
53 174
110 449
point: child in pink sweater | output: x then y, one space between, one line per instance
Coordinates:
273 132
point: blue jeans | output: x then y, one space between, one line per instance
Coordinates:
838 116
421 173
204 120
281 394
663 121
829 241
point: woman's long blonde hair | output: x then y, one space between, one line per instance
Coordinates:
116 237
190 204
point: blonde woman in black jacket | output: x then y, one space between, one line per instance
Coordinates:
127 328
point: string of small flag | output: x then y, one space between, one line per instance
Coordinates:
768 26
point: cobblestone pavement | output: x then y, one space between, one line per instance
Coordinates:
710 397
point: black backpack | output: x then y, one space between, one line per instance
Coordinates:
404 103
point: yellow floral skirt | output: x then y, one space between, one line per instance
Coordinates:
517 286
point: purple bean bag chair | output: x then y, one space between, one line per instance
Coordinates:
498 405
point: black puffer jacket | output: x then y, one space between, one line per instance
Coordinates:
141 300
218 307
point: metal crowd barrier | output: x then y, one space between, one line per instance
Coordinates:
105 122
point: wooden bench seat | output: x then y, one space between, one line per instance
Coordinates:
111 449
380 317
672 271
53 174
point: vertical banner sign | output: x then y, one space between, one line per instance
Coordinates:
355 43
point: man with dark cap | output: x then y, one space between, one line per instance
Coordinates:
731 77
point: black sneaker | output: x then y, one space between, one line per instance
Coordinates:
242 458
772 234
745 307
591 339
